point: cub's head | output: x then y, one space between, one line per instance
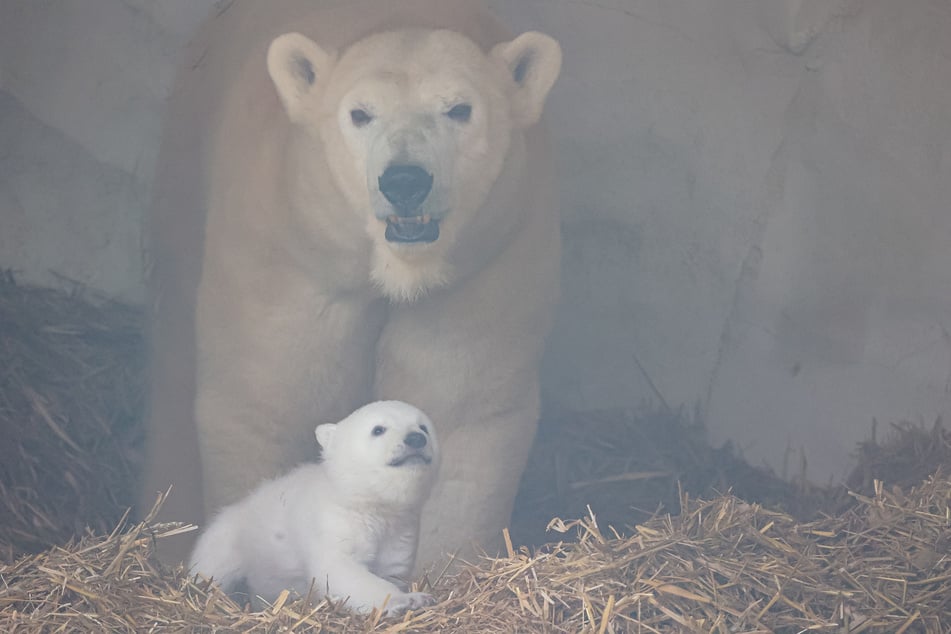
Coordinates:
384 453
416 126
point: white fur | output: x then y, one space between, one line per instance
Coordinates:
280 300
347 526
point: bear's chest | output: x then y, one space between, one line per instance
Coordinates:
384 544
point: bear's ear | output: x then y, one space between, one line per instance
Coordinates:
534 60
325 435
297 65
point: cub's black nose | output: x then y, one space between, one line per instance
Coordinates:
406 187
415 440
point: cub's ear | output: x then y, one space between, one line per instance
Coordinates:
533 60
297 65
325 435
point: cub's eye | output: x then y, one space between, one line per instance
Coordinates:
425 429
460 112
379 430
360 117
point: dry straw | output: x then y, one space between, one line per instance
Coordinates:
71 387
721 566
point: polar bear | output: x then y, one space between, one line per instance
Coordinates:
346 526
353 203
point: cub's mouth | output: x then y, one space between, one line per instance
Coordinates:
410 229
410 459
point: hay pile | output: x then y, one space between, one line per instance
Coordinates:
771 556
71 397
628 466
721 566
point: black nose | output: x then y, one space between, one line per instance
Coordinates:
406 187
415 440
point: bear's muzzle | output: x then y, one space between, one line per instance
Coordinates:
406 187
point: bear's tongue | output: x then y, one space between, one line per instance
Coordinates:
411 229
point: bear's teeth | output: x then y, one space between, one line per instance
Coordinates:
423 219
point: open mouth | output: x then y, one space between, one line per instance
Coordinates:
410 459
411 228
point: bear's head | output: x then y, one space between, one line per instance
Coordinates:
416 127
384 453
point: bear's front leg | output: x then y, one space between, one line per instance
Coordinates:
483 398
469 357
271 364
472 500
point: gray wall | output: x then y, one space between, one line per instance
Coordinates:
755 194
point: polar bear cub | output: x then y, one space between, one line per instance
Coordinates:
347 526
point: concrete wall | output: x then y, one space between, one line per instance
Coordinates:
756 196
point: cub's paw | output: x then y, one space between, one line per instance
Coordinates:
407 601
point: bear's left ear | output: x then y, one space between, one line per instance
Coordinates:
325 435
297 66
534 60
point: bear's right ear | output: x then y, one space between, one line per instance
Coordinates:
534 61
296 63
325 435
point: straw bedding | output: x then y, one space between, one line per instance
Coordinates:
71 386
766 555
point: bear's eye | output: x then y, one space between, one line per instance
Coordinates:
460 112
360 117
379 430
425 429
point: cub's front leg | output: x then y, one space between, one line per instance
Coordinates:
343 578
398 553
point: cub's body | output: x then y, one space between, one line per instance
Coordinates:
349 535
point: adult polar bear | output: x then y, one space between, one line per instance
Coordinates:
368 215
